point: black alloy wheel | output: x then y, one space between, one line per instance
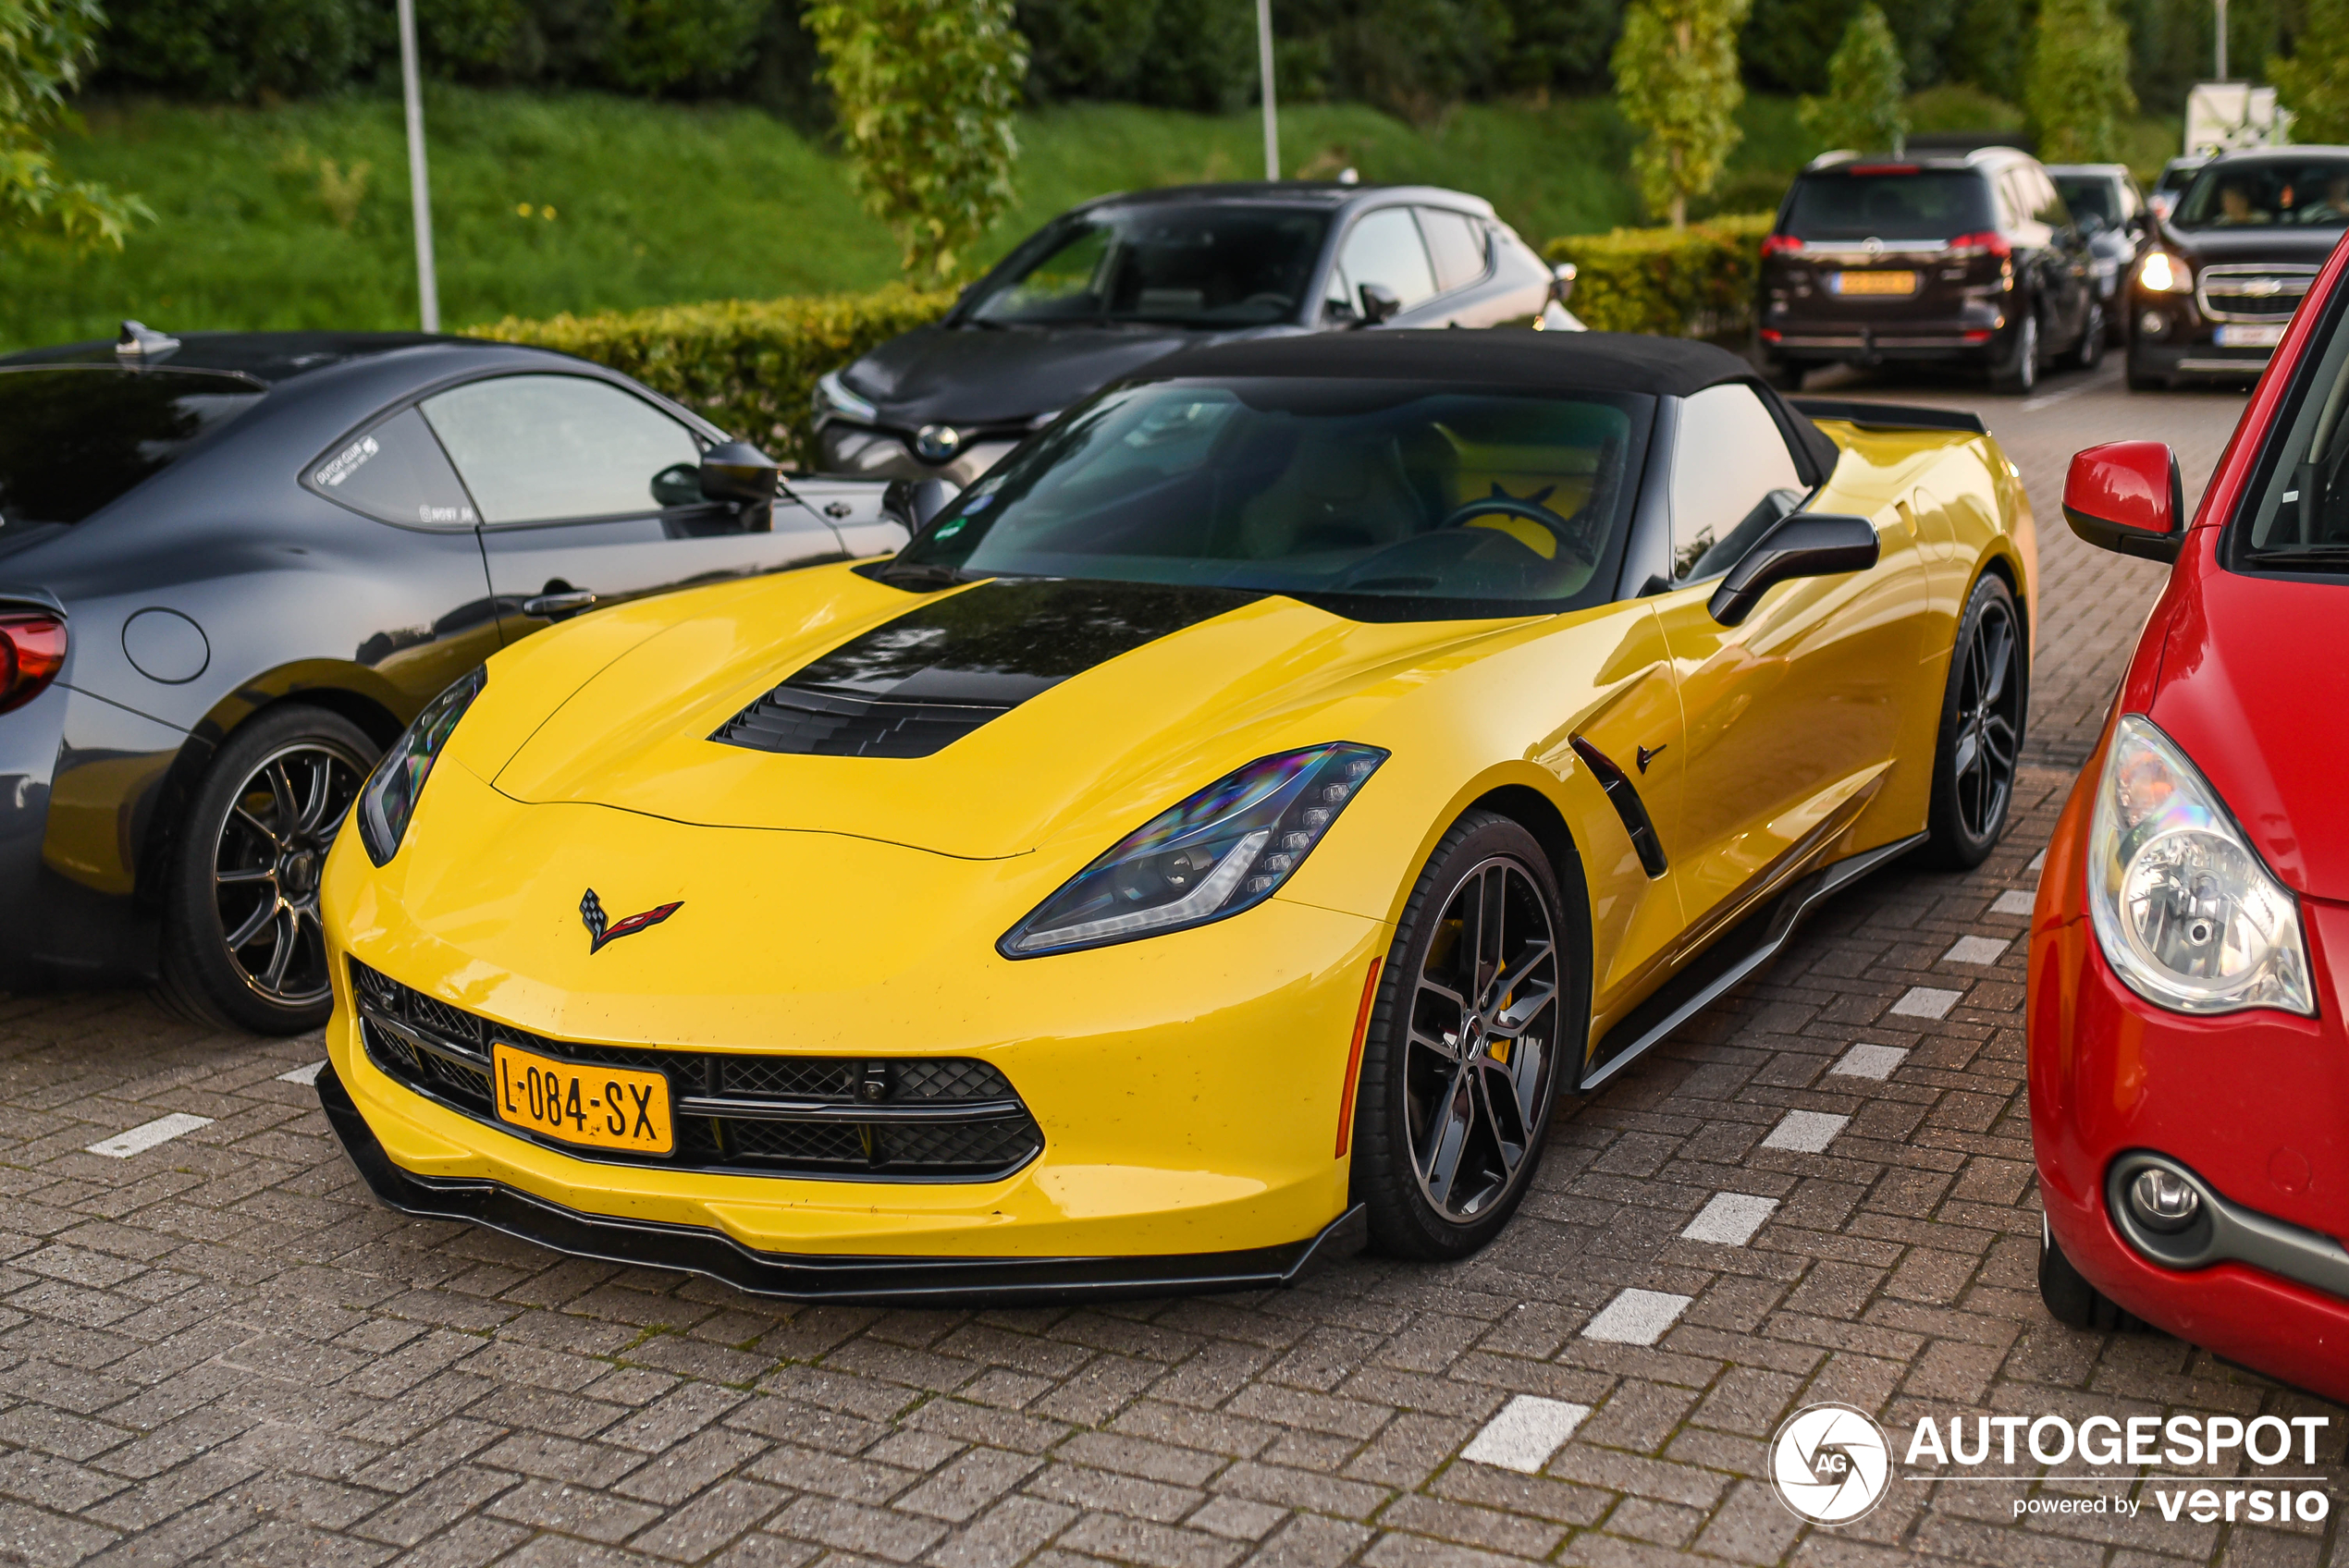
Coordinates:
2018 369
1483 997
1981 739
245 945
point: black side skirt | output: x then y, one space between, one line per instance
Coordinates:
942 1281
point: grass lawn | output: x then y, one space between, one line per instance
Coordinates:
297 215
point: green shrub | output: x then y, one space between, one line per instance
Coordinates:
748 365
1696 282
694 45
237 50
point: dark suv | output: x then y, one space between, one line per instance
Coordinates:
1971 260
2227 267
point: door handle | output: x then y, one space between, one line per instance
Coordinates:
554 607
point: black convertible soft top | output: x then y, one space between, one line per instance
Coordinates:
1555 361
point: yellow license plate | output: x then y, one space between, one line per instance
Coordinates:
1876 283
604 1108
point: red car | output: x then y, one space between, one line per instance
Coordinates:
2190 948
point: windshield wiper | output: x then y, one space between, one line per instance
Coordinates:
2314 558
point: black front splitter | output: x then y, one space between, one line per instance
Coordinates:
935 1281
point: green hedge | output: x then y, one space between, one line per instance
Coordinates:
1696 282
748 365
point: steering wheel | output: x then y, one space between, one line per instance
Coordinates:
1501 504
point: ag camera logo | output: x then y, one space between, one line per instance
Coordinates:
1831 1463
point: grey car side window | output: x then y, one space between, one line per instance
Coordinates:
534 448
1385 249
394 472
1458 243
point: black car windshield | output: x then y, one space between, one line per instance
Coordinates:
1898 203
1404 500
73 438
1192 264
2299 518
2091 196
2267 192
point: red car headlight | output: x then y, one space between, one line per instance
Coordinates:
2186 912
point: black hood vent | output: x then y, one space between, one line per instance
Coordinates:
914 686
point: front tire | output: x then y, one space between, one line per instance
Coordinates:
2018 370
1981 736
243 945
2068 1296
1485 1001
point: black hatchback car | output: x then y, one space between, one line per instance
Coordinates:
233 569
1970 261
2211 295
1106 287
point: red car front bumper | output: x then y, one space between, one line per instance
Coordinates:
2255 1103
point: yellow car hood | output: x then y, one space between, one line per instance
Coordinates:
1122 701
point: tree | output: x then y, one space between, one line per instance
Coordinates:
1866 104
2314 82
2077 87
1676 77
45 45
925 90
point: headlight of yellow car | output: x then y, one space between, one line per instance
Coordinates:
1224 849
390 799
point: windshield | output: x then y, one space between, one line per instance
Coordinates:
2090 197
2300 517
1201 265
1921 204
73 438
2305 192
1414 503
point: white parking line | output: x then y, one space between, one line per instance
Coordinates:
1527 1431
1729 1219
1925 1001
1636 1317
2014 901
1869 1061
162 1130
1975 949
306 1076
2103 383
1805 1131
2038 862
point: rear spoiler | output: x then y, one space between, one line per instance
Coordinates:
1889 416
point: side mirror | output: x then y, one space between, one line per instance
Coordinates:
1562 281
1803 544
1379 302
916 501
2126 495
738 472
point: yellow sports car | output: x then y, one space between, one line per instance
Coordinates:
1215 841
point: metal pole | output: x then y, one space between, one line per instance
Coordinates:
1264 66
419 186
2222 40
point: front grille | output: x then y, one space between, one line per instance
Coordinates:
2252 291
882 1119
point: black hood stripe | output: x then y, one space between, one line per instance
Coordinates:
913 686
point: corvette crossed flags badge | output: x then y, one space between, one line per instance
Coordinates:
591 914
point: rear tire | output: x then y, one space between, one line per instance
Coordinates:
1447 1132
2017 370
2068 1296
1981 737
243 946
2146 381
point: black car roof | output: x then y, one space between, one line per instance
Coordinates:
266 357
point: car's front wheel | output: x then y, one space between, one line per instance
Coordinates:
2018 369
243 945
2067 1294
1981 738
1483 999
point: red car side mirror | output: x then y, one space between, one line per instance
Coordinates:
2125 496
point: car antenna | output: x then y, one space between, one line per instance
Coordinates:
141 342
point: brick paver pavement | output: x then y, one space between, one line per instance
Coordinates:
219 1348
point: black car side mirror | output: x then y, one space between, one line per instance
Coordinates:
740 472
1379 302
1803 544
